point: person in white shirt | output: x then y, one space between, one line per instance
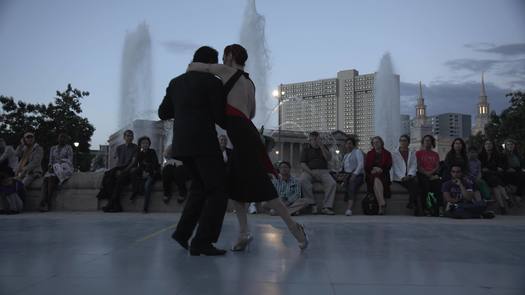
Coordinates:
353 166
404 172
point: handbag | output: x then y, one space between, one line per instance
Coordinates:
370 205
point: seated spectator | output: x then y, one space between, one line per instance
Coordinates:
492 167
173 171
377 166
458 192
12 194
289 190
30 156
456 155
115 179
60 169
404 172
353 167
8 159
428 177
474 173
98 163
146 172
514 173
314 162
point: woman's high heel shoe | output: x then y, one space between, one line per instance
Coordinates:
242 243
304 244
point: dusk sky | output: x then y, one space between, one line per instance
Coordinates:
446 44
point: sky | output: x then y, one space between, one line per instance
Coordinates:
446 44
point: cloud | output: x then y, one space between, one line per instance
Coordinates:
450 97
177 46
473 65
505 50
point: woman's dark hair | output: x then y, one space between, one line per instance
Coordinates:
432 139
450 158
406 136
285 163
239 53
473 149
378 138
207 55
142 139
352 139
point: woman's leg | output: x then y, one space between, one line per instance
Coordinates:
281 210
242 218
148 186
378 191
51 188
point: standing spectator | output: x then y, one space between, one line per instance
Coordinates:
353 166
514 173
146 172
173 171
377 166
289 190
314 161
119 176
474 173
404 172
30 156
8 160
60 169
492 168
428 178
458 192
456 156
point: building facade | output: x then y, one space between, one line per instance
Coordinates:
343 103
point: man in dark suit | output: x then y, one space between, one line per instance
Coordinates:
196 101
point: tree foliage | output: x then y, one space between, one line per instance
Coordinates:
47 121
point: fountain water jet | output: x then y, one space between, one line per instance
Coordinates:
253 38
387 107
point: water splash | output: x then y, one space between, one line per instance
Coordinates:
387 106
136 77
253 38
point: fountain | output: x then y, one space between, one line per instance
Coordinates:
136 77
387 108
252 37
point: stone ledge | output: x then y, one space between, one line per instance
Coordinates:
79 194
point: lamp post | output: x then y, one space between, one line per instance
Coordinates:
278 94
75 161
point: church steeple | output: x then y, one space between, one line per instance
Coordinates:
483 112
421 108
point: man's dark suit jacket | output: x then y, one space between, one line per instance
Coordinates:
196 101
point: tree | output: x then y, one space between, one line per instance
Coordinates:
47 121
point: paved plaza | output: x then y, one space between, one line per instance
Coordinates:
132 253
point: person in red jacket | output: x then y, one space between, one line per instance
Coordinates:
377 167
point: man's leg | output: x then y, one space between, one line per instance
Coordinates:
307 188
193 208
297 205
329 186
167 178
212 171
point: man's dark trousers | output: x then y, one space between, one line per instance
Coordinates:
207 201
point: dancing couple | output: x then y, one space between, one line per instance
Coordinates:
209 94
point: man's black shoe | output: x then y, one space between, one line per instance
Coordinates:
207 251
182 243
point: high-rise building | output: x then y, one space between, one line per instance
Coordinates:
343 103
451 125
483 111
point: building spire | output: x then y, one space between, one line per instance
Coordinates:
483 92
420 91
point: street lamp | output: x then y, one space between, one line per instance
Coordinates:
75 161
278 94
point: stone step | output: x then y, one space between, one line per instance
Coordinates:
79 194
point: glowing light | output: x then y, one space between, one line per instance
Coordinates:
76 143
275 93
337 152
276 152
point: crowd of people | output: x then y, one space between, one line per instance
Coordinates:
461 185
